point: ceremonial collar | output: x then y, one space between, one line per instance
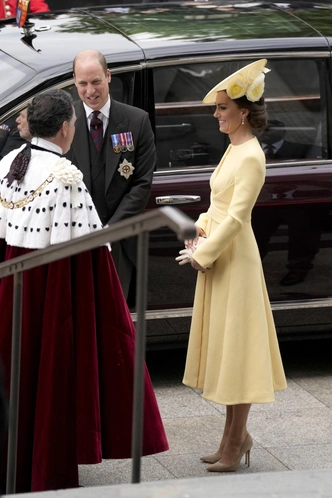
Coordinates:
45 145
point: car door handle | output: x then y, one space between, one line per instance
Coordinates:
177 199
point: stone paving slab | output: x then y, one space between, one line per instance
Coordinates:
317 484
292 440
292 434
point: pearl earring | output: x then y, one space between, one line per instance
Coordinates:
242 120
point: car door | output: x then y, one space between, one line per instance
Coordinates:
292 218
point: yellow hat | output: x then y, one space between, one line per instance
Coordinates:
248 81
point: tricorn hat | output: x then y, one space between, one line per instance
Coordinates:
248 81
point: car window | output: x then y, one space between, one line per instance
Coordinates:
121 88
13 75
187 135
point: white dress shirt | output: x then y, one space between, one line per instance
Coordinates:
104 114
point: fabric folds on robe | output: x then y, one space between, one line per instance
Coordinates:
77 369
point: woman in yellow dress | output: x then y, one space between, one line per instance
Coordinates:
233 352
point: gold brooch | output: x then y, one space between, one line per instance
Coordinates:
126 169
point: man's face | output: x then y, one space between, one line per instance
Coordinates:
92 83
23 126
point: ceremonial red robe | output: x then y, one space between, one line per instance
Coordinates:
77 369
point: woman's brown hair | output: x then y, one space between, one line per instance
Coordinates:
257 116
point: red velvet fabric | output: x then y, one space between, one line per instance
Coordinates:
77 363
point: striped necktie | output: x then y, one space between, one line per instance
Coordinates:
96 130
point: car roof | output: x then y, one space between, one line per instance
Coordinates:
59 36
167 29
139 32
164 29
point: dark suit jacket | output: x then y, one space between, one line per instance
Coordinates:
10 141
125 198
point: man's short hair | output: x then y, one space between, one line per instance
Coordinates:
97 55
48 111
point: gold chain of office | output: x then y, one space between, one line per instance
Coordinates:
31 197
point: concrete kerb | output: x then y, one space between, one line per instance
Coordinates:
300 484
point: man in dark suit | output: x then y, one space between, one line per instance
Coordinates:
115 150
11 139
302 220
276 147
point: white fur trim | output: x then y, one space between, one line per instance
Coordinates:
62 211
65 171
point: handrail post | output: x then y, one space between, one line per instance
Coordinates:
138 401
14 384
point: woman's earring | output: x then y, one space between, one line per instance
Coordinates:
242 120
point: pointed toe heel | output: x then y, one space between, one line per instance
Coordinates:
213 458
245 450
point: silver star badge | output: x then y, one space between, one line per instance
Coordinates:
126 169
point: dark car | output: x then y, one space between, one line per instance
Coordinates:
164 58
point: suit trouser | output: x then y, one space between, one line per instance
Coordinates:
123 266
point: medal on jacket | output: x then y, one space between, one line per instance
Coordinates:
126 169
22 12
116 143
123 142
129 141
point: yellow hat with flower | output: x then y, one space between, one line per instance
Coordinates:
248 81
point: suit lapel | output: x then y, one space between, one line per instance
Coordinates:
118 123
81 144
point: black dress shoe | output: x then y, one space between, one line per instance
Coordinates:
293 278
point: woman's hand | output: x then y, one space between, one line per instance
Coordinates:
197 266
190 243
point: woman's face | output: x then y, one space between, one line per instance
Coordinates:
228 114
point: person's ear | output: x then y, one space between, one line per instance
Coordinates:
64 128
108 75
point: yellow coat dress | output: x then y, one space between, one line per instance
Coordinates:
233 352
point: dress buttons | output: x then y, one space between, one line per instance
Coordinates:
8 14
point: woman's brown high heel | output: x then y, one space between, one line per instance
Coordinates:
245 450
213 458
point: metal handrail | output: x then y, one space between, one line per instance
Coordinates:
139 225
169 216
